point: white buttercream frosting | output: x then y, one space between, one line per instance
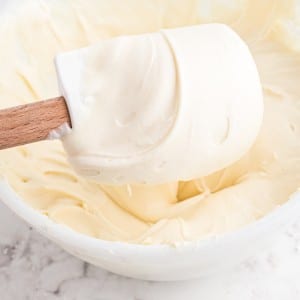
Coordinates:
263 179
154 108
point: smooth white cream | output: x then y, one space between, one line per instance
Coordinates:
263 179
154 108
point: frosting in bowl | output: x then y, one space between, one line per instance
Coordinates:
263 178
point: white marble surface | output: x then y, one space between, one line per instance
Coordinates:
33 268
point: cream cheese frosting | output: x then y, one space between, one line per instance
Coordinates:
154 108
264 177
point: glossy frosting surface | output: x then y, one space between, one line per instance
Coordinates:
177 104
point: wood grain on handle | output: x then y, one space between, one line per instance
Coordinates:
32 122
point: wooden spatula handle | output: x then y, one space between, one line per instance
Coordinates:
32 122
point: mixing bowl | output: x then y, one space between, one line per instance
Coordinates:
206 257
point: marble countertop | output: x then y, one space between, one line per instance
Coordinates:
33 268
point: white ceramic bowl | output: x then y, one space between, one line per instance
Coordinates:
162 263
